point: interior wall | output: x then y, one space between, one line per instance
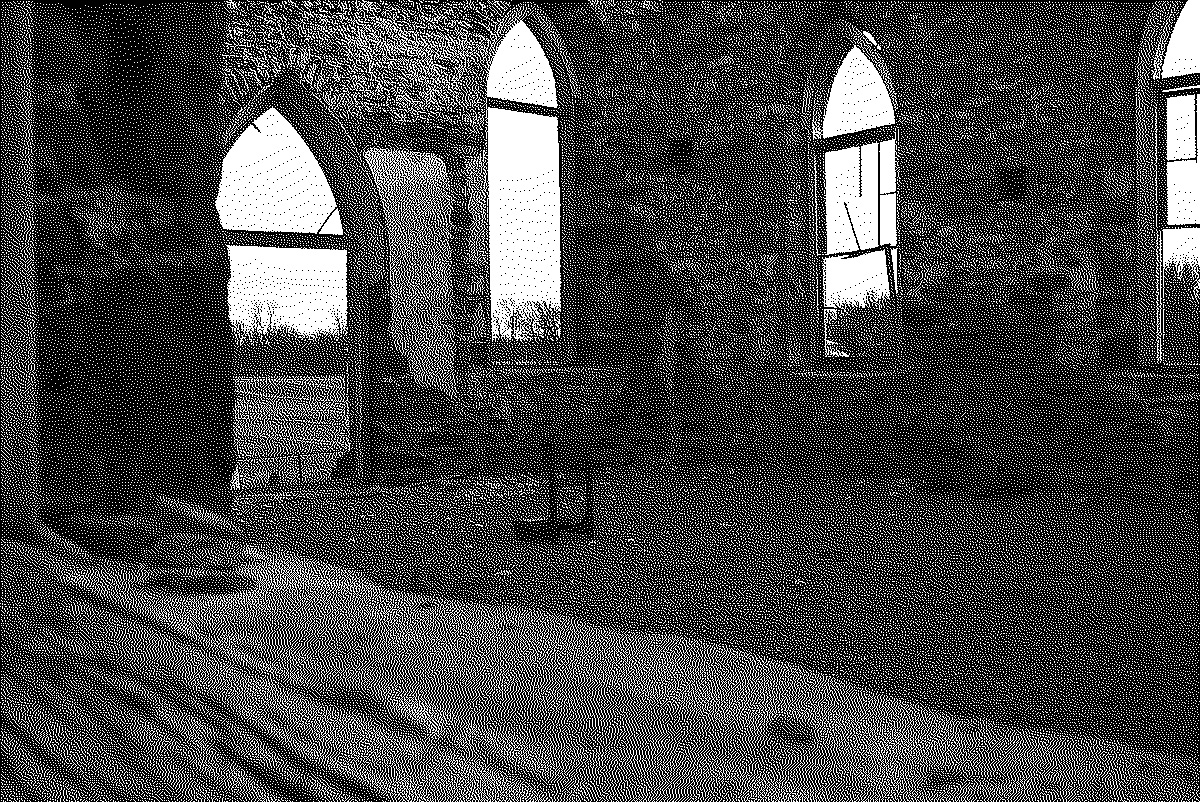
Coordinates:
1041 90
691 119
473 180
135 352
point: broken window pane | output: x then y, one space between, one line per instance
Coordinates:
858 99
333 225
1183 51
860 316
852 202
853 279
272 182
520 71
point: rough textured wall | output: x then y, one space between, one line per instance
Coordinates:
982 90
1043 90
135 350
692 124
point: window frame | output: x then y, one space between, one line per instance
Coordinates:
567 98
364 237
840 42
282 239
1151 182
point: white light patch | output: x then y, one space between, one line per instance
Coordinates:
305 285
1181 244
523 206
1183 193
852 199
1183 51
858 99
520 71
272 182
853 280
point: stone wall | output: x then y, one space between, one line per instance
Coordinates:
691 120
1043 91
134 347
414 192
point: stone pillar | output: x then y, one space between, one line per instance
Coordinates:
136 385
18 365
471 182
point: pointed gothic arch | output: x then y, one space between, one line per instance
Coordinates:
363 235
853 237
531 95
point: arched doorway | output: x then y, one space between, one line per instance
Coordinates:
287 304
305 229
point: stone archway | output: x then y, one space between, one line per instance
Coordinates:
365 237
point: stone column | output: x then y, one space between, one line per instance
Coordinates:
135 361
18 366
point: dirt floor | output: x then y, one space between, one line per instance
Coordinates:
1048 611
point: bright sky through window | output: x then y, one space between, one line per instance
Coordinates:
305 285
523 205
1183 52
859 187
1183 140
271 182
858 100
860 213
523 174
521 71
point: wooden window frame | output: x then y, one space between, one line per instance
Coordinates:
842 39
567 99
1150 182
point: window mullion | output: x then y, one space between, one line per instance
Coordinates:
284 239
856 139
518 105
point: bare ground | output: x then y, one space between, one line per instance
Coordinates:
1050 610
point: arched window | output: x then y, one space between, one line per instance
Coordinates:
855 145
283 228
1179 203
524 199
